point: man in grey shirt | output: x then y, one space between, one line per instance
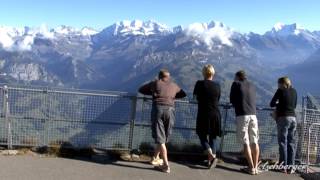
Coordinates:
164 92
243 99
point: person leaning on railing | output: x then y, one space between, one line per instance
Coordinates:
163 92
243 99
285 101
208 126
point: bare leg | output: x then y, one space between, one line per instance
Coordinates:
255 155
157 152
163 151
248 155
156 161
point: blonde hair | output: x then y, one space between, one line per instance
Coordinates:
208 71
285 81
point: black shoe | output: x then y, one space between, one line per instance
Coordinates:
248 170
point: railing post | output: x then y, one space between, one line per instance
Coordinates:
300 130
308 148
6 116
304 127
47 118
226 109
132 120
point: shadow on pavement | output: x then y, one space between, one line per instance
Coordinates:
311 176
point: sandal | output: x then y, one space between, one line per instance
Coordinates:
163 168
156 161
213 163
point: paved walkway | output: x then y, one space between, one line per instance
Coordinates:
28 167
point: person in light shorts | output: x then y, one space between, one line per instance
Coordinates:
247 129
243 99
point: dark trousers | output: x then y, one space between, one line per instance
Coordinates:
287 139
208 141
162 121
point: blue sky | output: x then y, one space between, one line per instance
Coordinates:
243 15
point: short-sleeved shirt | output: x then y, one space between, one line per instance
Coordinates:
163 92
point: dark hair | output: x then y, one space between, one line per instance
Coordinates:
163 73
241 75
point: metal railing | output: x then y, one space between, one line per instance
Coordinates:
313 147
47 117
42 116
310 133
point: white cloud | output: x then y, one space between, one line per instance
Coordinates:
26 43
45 32
22 39
5 38
209 33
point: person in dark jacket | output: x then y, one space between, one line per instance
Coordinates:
285 101
207 92
243 99
164 92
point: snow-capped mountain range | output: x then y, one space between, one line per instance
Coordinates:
20 39
23 37
132 52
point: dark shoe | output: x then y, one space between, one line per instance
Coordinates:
281 171
248 170
163 168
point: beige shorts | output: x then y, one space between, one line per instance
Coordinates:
247 129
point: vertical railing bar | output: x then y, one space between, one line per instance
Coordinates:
302 128
224 130
308 148
47 122
304 125
4 109
7 119
141 118
132 121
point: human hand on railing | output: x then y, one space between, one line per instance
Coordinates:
193 100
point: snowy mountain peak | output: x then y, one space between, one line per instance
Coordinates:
281 29
22 39
68 30
213 24
64 29
137 27
86 31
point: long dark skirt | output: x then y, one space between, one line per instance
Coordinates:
209 123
